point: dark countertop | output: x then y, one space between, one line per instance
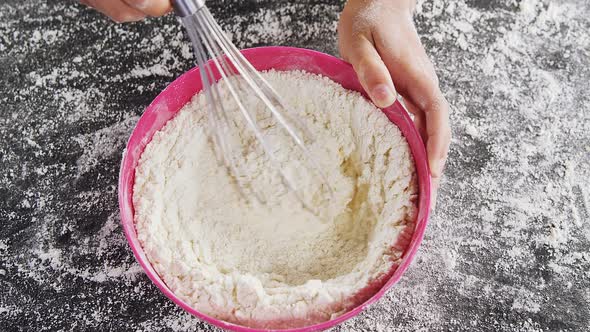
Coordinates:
507 249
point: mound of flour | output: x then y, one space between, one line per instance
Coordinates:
277 264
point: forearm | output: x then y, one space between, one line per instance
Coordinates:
402 5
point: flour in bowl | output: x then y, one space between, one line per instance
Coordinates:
278 265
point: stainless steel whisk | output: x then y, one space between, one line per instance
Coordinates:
243 81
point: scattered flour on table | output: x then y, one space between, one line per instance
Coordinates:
510 235
277 264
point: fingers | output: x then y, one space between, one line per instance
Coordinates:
419 119
371 71
434 193
115 9
433 126
438 138
435 146
416 80
150 7
439 135
405 57
129 10
438 141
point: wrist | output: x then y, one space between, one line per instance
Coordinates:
408 5
400 5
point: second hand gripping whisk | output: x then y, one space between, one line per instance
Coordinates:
215 53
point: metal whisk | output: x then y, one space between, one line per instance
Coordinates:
242 81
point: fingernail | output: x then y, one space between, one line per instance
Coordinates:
139 4
129 18
435 166
433 201
383 95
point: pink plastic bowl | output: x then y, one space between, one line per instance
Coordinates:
179 92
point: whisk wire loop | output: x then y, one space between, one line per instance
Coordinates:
239 76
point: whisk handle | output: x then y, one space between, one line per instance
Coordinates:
184 8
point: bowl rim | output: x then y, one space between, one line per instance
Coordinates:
396 112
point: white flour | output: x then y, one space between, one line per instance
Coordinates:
276 265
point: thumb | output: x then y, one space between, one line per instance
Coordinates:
372 72
151 7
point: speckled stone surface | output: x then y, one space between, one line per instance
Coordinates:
507 249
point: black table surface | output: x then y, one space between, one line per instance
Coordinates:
506 249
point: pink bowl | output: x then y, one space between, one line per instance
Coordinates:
179 92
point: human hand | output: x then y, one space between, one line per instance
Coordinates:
129 10
379 39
